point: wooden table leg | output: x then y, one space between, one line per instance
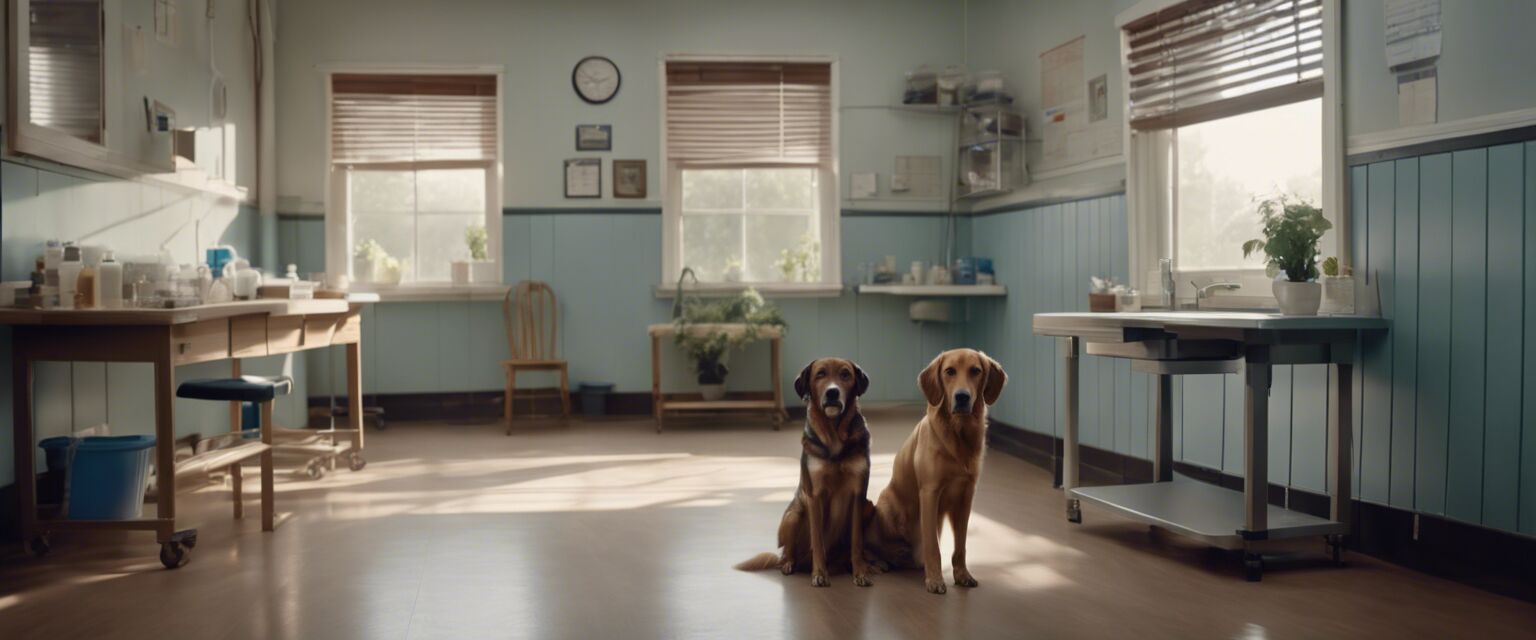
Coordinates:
656 381
165 445
236 422
21 413
1070 347
355 394
268 492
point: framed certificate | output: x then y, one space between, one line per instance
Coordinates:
594 137
629 178
584 178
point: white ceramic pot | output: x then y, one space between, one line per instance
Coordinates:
460 271
712 392
483 271
1298 298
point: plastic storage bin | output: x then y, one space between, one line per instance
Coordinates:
107 476
56 452
594 398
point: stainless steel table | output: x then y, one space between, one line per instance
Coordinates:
1166 344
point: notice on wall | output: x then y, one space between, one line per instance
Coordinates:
1413 31
918 177
1075 112
1417 98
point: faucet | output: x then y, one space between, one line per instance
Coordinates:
1202 293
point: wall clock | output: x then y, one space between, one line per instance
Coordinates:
596 79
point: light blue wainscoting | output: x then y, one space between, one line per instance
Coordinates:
1445 402
603 267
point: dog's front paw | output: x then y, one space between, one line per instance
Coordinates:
819 579
935 586
861 578
787 567
963 578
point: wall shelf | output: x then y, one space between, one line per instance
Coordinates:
936 290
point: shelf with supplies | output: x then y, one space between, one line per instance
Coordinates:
936 290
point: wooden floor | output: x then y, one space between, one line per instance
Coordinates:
608 530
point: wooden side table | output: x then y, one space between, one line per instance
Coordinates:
662 403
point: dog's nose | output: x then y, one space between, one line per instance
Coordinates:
833 393
962 398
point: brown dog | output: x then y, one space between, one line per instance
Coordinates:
828 512
936 471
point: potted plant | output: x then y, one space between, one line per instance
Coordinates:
708 330
801 264
478 268
1338 288
1292 229
371 263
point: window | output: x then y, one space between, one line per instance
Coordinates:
751 178
415 182
1227 106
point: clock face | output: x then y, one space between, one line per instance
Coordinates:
596 79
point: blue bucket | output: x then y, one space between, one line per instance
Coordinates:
56 452
107 476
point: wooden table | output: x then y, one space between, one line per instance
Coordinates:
167 338
1166 344
662 403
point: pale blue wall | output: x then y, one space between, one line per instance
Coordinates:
602 268
1445 403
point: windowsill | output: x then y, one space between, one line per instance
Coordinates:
432 292
767 289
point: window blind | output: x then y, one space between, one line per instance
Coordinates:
64 67
378 118
1208 59
737 113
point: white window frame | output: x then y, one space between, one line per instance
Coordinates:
828 200
1150 192
338 233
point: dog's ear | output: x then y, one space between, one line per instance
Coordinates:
861 381
929 382
996 378
803 381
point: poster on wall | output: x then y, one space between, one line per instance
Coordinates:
1076 127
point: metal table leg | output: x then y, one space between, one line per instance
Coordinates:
1070 347
1256 374
1162 440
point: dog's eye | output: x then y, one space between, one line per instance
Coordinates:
975 371
950 371
821 374
845 374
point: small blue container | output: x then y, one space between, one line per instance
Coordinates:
217 258
107 476
56 452
965 271
594 397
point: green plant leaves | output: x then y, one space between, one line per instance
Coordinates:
1292 230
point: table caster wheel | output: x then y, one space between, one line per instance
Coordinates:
174 555
1253 567
38 546
1074 512
355 461
314 471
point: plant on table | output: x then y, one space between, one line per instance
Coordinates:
477 239
1293 227
707 346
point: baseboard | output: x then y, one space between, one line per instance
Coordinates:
468 406
1489 559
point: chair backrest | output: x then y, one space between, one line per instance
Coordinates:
532 320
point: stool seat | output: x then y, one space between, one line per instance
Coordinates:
243 388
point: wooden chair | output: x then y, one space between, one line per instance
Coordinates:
532 320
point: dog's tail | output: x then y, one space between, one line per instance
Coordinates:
759 562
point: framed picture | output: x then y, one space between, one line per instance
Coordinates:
594 137
629 178
584 178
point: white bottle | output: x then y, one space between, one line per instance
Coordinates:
109 283
53 254
69 277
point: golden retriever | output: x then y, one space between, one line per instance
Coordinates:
935 473
828 513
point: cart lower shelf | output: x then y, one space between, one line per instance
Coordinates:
1200 510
